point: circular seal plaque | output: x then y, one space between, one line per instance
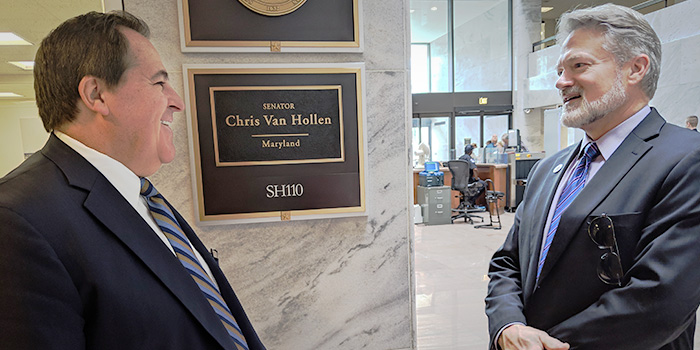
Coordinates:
272 7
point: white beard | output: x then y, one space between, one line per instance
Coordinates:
589 112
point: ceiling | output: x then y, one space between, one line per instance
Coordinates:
33 20
429 17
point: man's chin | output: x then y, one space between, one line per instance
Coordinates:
576 118
166 154
580 121
569 122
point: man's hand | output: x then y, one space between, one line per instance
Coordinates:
520 337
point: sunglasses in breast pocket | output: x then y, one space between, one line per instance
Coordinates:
602 232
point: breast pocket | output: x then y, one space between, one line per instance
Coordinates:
626 231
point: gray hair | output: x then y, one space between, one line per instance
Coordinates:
627 34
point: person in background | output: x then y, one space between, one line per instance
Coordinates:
93 256
692 123
480 186
503 144
604 250
493 142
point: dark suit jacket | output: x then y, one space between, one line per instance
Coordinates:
650 187
80 269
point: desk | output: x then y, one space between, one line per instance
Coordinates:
495 172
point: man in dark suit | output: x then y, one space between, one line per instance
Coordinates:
85 265
691 123
605 246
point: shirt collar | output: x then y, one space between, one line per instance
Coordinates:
123 179
608 143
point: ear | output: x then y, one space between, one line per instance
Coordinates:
639 67
91 89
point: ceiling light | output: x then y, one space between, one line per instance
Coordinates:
26 65
546 9
7 38
412 10
9 94
434 8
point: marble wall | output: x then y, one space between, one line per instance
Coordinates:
679 84
336 284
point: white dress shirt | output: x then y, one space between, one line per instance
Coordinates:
127 184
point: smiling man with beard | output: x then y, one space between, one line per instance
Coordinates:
604 249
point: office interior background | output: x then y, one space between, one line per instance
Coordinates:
436 72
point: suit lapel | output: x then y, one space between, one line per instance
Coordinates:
602 185
112 210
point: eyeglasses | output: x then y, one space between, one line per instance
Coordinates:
601 231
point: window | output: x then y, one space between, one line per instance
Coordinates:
467 44
482 48
420 68
467 130
429 36
433 132
495 125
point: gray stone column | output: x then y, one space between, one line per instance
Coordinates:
320 284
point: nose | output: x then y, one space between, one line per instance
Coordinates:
175 101
564 81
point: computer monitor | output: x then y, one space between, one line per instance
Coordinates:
432 166
514 139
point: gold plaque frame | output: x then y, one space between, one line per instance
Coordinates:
340 182
221 13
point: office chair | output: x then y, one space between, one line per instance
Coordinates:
468 192
492 197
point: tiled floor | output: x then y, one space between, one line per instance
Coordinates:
451 265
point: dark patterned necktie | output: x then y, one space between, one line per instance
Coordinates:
573 186
183 249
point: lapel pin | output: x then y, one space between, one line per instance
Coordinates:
557 168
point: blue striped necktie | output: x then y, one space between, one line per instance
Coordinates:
573 186
166 221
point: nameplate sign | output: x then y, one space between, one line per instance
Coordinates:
259 125
276 142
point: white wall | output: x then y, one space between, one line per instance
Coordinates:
20 131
